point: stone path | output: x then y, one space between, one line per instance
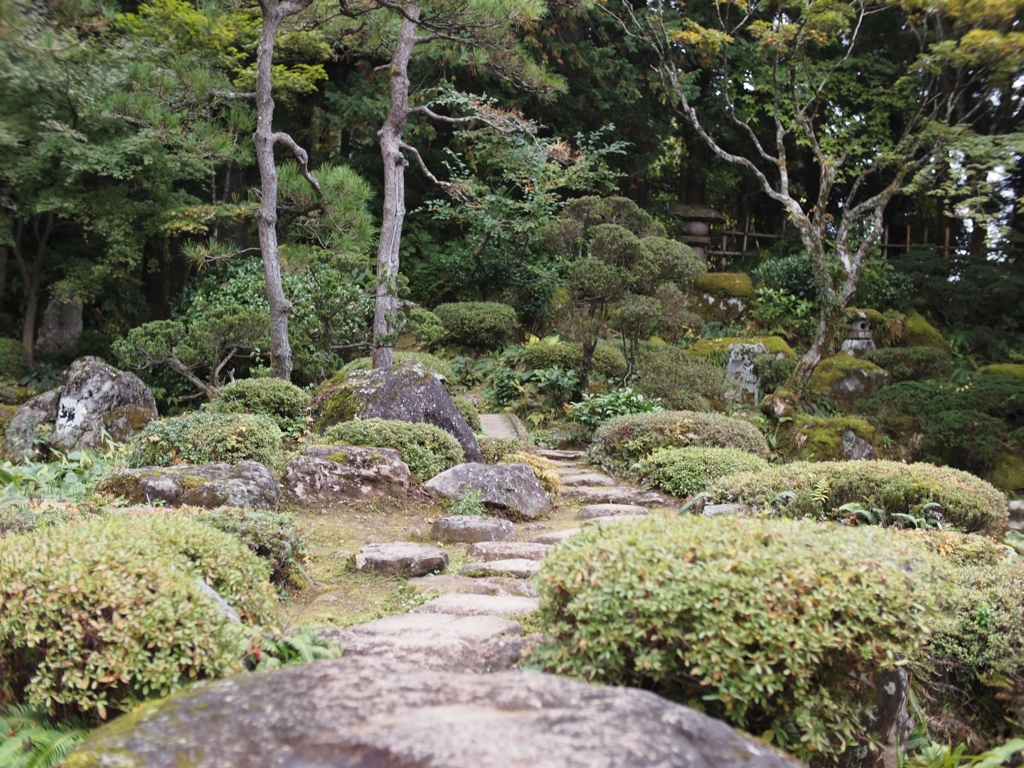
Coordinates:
497 425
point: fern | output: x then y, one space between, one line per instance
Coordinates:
822 492
28 739
298 648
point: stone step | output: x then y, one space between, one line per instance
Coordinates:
578 466
507 550
401 557
556 537
468 529
517 568
610 510
593 479
560 455
448 583
573 469
615 519
480 605
622 494
497 425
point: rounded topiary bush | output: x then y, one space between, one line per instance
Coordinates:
818 489
101 615
495 449
433 362
198 438
911 363
478 324
281 400
779 627
13 360
608 359
679 380
686 471
428 450
621 442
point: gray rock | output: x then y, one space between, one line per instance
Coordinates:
468 529
854 380
1015 508
556 537
561 455
61 327
591 511
507 550
595 479
512 489
623 494
226 610
711 510
321 475
23 429
361 713
480 605
739 368
401 557
519 568
96 397
447 583
412 392
856 448
246 484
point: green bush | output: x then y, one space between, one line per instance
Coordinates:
480 325
594 410
495 449
678 380
468 412
198 438
912 363
13 360
818 489
621 442
608 359
425 327
281 400
686 471
428 450
778 627
434 363
101 615
773 371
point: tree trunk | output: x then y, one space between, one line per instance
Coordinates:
266 217
31 275
3 277
390 134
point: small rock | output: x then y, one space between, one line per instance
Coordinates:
595 479
401 557
334 473
711 510
246 484
20 435
447 583
512 489
1016 508
223 605
591 511
480 605
610 520
516 568
557 537
507 550
856 448
468 529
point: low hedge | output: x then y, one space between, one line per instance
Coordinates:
480 325
778 627
281 400
621 442
428 450
198 438
912 363
680 381
686 471
433 362
966 503
608 359
495 449
102 615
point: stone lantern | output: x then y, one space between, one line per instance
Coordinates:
697 226
859 337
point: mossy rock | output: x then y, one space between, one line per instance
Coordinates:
1008 473
1003 369
6 414
873 316
333 402
844 380
817 438
736 284
716 349
918 332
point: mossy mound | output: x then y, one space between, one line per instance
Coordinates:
1003 369
716 349
873 316
820 438
918 332
1007 474
736 284
608 359
844 380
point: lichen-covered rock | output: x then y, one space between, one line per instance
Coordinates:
22 431
247 484
401 557
408 392
739 367
333 473
467 529
844 380
361 713
96 397
717 349
825 438
723 295
511 489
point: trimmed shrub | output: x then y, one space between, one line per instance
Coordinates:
281 400
495 449
428 450
686 471
817 490
681 382
13 360
773 371
778 627
480 325
912 363
198 438
433 362
621 442
543 469
608 359
101 615
425 326
27 515
469 412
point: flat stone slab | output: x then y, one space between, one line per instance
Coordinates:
449 583
561 455
571 469
468 529
611 520
622 494
517 568
401 557
480 605
371 714
507 550
711 510
555 537
497 425
595 479
610 510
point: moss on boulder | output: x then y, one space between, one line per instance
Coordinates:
1003 369
844 380
918 332
736 284
716 349
818 438
1008 473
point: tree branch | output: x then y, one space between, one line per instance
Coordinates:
300 156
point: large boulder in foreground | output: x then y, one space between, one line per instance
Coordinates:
408 392
368 715
337 473
247 484
30 424
510 489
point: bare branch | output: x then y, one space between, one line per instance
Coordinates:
423 166
300 156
